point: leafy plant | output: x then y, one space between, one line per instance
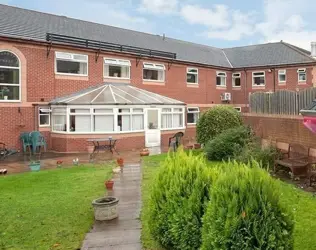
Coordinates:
177 201
215 121
245 211
228 144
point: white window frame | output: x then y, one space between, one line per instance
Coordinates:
173 112
221 74
196 111
19 84
117 62
302 70
281 72
238 109
154 66
193 73
235 76
253 78
47 111
71 60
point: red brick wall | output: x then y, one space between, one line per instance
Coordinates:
281 128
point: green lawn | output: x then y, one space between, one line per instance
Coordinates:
302 203
49 209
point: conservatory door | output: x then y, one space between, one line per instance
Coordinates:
152 129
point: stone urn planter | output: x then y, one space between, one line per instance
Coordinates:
105 208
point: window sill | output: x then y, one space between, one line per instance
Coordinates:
258 86
192 85
97 133
159 83
220 87
191 125
236 87
166 129
117 80
301 83
10 101
282 83
71 77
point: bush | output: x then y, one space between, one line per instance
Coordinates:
228 144
177 201
265 156
216 120
245 212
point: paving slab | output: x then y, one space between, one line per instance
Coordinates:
124 232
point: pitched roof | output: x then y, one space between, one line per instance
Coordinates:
113 94
23 23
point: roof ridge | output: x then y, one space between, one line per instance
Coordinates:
227 59
293 47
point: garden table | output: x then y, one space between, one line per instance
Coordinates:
103 144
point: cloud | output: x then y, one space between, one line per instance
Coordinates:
159 6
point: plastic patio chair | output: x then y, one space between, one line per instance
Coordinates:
175 140
26 142
37 140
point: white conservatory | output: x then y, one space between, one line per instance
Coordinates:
115 109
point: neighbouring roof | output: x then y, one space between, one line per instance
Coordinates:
115 94
22 23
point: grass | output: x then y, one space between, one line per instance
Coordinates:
302 203
49 209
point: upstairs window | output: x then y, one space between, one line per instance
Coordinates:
10 83
221 79
236 79
154 72
117 68
193 115
282 75
192 75
71 64
44 116
301 75
258 78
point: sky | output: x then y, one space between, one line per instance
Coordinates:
226 23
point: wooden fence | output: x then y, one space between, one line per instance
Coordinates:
283 102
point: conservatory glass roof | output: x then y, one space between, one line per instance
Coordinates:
115 94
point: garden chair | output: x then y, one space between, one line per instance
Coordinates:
37 140
26 142
175 140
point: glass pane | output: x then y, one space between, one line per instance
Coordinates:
85 111
258 80
103 123
177 109
152 119
166 121
218 81
302 76
192 70
138 122
9 92
116 71
9 76
71 67
44 119
59 110
80 123
192 78
124 122
157 75
191 117
236 82
193 109
59 123
124 110
8 59
103 110
166 110
282 78
177 121
80 57
258 74
138 110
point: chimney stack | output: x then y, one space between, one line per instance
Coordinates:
313 49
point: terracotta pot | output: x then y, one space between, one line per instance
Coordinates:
120 162
109 184
144 152
197 145
189 147
90 149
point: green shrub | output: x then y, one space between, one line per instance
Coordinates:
177 202
253 151
228 144
245 212
216 120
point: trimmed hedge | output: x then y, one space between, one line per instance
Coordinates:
177 202
228 144
245 212
216 120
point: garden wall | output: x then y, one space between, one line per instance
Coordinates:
281 128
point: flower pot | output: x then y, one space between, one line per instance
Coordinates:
109 184
144 152
35 166
105 208
197 145
120 162
59 164
189 147
90 149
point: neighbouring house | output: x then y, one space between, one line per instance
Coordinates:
74 80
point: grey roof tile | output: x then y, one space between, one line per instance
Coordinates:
30 24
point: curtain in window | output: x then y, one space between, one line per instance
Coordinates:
177 120
59 123
138 122
166 121
103 123
126 123
82 123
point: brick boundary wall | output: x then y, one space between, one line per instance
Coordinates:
281 128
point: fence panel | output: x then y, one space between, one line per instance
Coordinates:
283 102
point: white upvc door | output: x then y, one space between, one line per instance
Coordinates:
152 127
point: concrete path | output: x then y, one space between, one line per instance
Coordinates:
124 232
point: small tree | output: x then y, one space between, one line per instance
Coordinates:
245 211
216 120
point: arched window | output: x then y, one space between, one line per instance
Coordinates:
10 80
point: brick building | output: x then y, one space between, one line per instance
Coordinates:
75 80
